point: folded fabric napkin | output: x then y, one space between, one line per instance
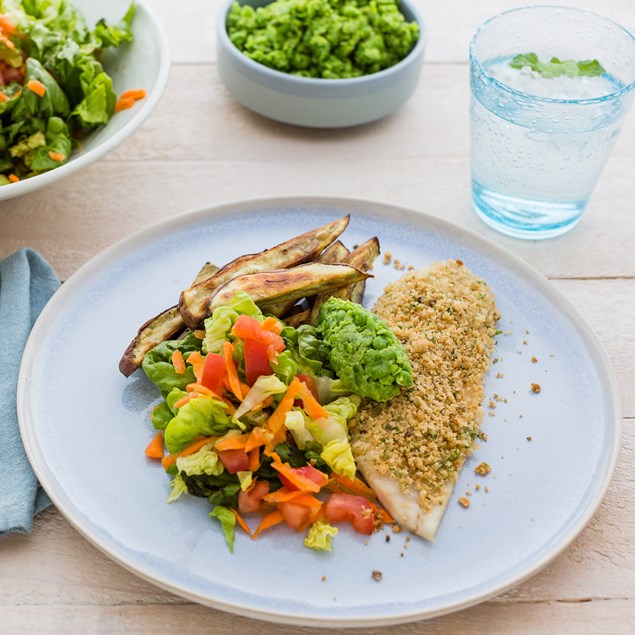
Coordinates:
26 284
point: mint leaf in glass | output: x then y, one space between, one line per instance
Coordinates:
557 68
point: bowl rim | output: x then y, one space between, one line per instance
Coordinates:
75 164
280 76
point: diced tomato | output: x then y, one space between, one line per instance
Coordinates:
214 373
297 516
355 509
251 500
234 460
306 472
256 360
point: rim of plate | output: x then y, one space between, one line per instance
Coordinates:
39 181
376 209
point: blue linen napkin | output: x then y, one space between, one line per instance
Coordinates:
26 284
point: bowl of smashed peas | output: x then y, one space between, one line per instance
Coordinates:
320 63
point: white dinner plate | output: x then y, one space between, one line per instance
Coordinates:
85 428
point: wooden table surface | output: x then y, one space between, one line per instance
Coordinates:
200 148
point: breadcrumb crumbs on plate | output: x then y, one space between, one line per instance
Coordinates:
377 575
447 321
483 468
535 388
529 438
464 502
534 360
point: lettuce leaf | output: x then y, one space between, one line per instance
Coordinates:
332 434
201 416
228 523
220 323
295 423
158 367
205 461
58 141
178 487
161 415
319 536
263 387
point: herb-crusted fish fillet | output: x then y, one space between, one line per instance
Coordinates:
411 449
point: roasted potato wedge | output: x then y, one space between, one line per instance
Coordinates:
297 319
334 253
194 302
158 329
362 258
273 287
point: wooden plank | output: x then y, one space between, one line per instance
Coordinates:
75 219
211 125
550 618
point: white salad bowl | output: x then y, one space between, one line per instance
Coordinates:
143 63
315 102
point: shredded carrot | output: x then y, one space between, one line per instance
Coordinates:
202 390
7 25
7 42
183 400
199 334
155 447
254 459
3 97
170 459
296 479
283 495
310 404
57 156
13 178
197 362
178 362
232 373
135 95
124 104
235 442
271 519
257 437
241 522
352 486
276 420
36 87
308 500
272 324
196 446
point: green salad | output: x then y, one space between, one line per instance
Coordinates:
255 415
330 39
53 87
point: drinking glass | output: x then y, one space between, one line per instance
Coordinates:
543 125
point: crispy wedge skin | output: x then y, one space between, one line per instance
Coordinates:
334 253
157 330
297 319
273 287
195 301
362 258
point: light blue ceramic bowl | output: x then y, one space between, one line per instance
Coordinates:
317 103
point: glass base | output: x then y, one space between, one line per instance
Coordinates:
525 218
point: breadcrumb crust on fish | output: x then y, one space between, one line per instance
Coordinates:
412 448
